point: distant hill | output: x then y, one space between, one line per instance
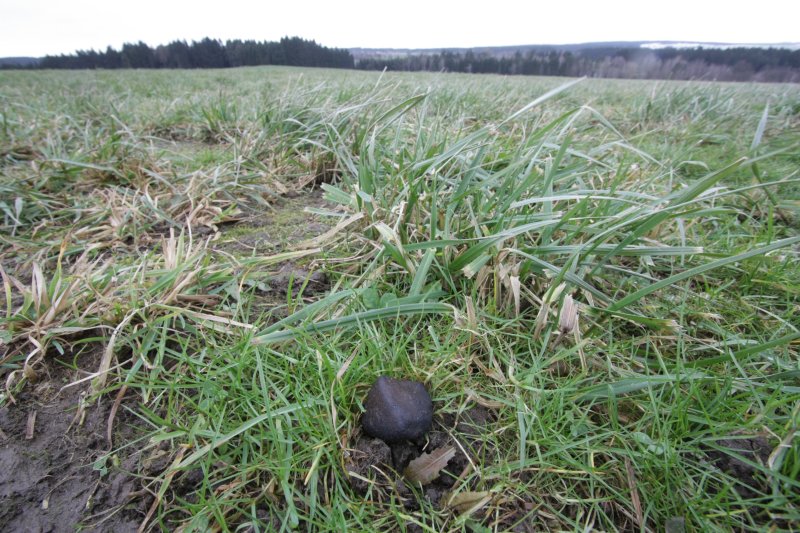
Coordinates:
505 51
670 60
18 61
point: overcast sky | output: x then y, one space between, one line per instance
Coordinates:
39 27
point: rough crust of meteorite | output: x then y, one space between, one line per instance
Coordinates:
397 410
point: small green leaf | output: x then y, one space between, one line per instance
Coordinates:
371 298
388 299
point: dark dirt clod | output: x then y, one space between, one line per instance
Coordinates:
469 426
366 454
474 420
754 449
403 454
397 410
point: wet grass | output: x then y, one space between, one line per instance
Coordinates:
609 267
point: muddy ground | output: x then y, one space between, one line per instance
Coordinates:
373 464
48 452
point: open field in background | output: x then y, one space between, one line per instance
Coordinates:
204 271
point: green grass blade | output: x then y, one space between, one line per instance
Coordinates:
354 320
641 293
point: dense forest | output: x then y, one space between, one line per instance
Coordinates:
732 64
207 53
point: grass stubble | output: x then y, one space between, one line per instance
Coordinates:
609 267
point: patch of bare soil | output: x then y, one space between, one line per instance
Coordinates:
296 278
755 450
373 464
277 229
48 482
739 458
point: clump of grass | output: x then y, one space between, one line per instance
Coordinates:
180 281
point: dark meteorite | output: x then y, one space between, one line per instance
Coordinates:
397 410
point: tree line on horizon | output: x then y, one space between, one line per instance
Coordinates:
206 53
732 64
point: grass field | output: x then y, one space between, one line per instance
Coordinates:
204 271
